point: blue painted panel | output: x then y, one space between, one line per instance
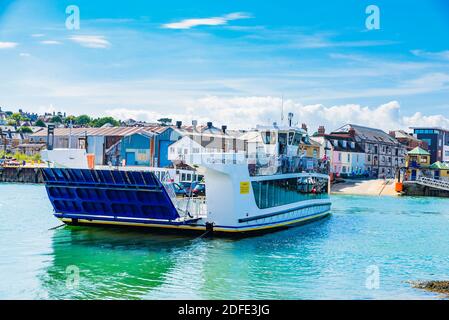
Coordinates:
163 154
130 158
112 194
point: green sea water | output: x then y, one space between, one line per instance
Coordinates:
391 240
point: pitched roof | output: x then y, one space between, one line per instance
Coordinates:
418 152
439 165
344 137
367 133
115 131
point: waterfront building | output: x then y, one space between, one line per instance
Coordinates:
440 170
408 140
437 140
417 162
383 153
97 141
146 146
346 156
418 158
135 149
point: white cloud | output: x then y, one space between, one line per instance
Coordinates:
90 41
246 112
213 21
8 45
24 54
50 42
444 55
38 35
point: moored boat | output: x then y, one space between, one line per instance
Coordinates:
270 184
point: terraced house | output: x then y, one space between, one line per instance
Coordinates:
383 153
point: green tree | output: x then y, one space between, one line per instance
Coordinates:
16 117
56 119
83 120
164 121
40 123
70 118
25 129
99 122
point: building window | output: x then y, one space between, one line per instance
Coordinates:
349 157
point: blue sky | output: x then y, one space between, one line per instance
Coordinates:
230 61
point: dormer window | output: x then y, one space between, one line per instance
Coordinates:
352 145
343 143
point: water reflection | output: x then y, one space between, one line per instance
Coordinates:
113 263
129 264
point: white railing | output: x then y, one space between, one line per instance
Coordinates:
214 158
193 208
260 164
439 184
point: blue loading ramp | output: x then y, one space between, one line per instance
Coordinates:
108 195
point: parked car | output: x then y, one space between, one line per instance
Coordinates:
199 190
188 187
179 190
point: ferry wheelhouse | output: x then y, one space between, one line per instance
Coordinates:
270 183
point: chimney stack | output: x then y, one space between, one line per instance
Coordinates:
321 130
178 124
209 125
352 132
304 127
223 128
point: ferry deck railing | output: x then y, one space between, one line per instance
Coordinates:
262 165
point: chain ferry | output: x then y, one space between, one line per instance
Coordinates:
270 183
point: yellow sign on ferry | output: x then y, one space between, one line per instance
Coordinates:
244 187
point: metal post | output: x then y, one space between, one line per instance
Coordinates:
50 136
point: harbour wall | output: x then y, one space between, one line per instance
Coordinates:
415 189
21 175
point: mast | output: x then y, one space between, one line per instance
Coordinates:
282 110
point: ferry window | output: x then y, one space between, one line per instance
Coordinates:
279 192
297 139
283 138
290 137
268 137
